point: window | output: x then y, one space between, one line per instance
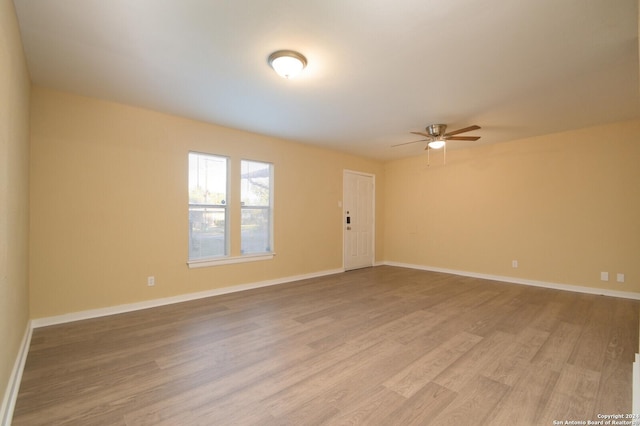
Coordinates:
214 227
256 205
208 206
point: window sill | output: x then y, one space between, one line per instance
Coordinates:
229 260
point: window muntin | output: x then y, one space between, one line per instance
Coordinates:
208 206
256 181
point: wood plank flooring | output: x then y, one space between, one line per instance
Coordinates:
381 345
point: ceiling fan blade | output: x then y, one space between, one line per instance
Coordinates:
462 138
422 134
407 143
463 130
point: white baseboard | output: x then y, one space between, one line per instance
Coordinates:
11 392
523 281
119 309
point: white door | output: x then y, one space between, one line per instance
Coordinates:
358 220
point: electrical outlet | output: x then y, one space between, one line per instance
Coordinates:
151 281
604 276
620 277
514 263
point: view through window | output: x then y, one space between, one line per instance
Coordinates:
256 201
210 181
208 209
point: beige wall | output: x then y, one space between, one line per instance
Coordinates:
14 191
109 204
566 206
108 197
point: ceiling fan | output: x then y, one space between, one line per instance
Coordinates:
437 137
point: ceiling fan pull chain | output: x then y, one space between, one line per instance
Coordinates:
444 155
428 162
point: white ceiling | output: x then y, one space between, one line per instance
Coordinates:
377 68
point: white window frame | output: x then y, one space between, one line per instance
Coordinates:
225 206
232 180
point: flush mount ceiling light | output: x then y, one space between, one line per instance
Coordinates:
287 63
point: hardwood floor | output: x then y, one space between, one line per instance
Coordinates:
381 345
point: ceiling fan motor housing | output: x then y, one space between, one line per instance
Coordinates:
436 130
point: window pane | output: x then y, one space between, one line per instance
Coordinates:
207 232
207 179
207 206
256 196
256 183
256 230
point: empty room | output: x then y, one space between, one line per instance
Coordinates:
319 212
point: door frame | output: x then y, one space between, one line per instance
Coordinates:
373 214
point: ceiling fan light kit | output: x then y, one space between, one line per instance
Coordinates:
287 63
437 144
